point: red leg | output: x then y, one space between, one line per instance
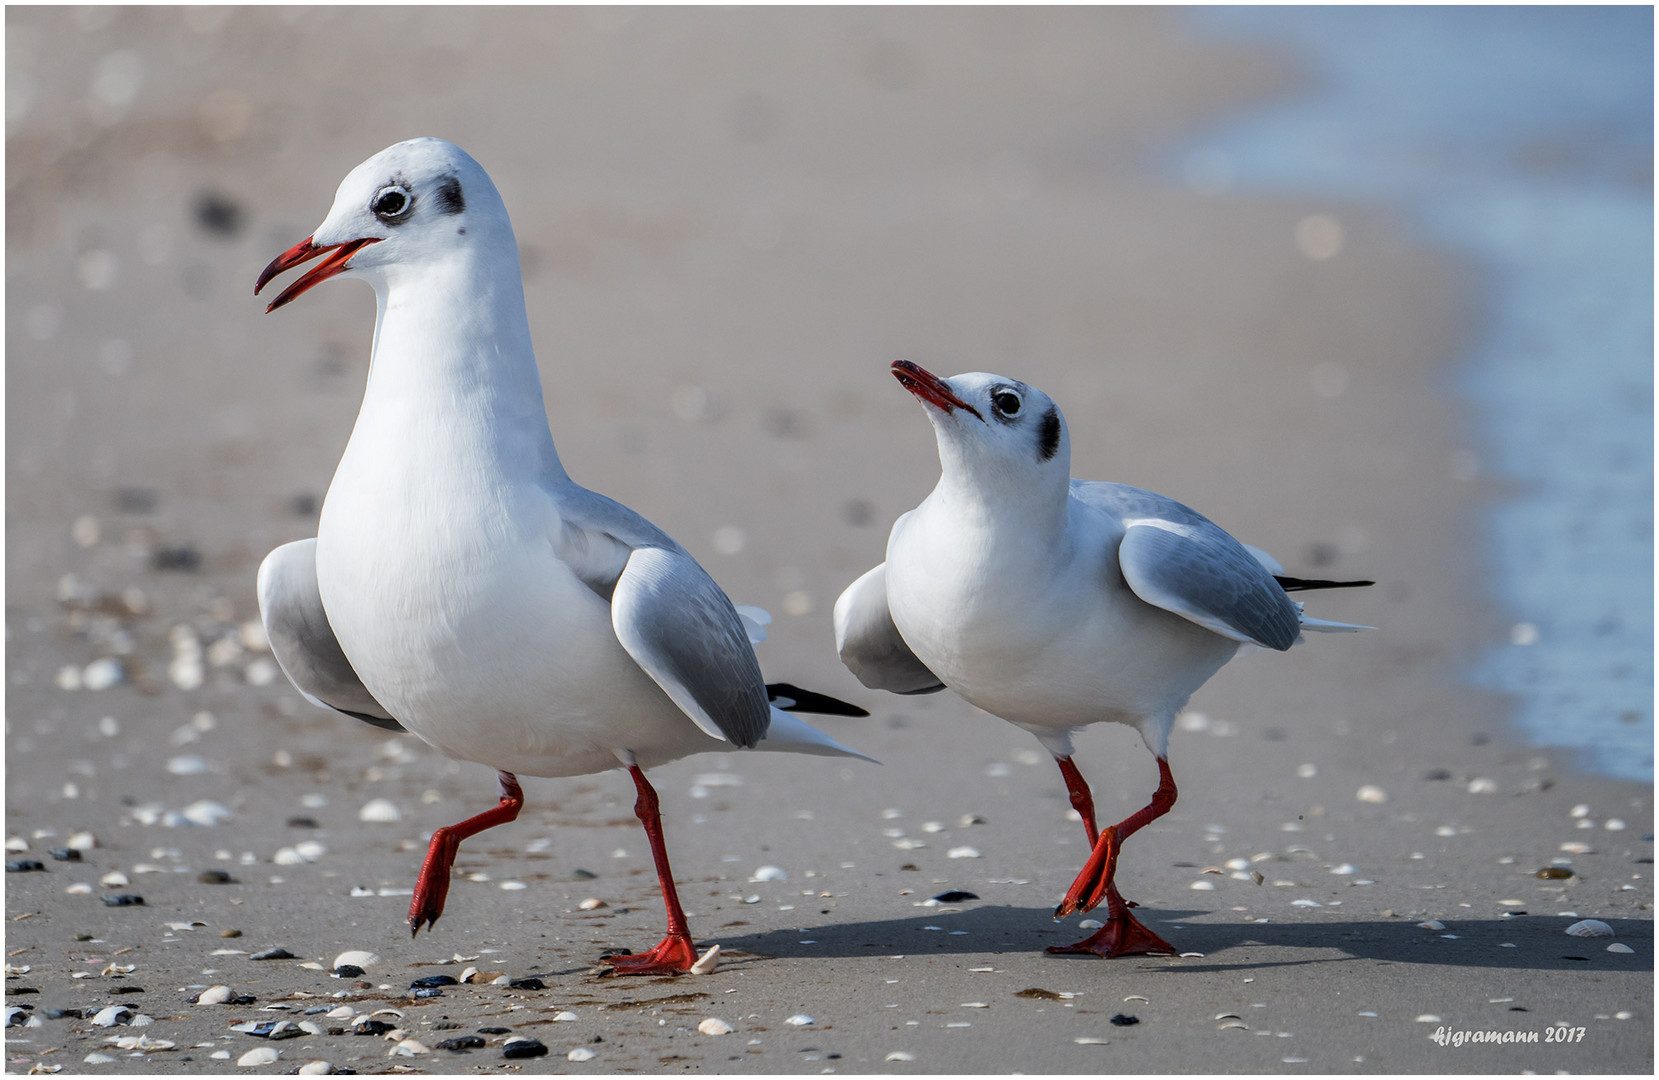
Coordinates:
1123 934
1082 800
432 886
675 953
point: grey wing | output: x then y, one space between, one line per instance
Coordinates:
870 644
670 616
1177 559
303 641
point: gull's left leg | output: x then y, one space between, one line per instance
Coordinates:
432 886
1123 934
675 953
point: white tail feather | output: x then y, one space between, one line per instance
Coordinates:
786 732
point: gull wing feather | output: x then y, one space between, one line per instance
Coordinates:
303 641
870 644
670 616
1176 559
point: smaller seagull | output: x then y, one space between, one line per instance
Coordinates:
461 585
1057 603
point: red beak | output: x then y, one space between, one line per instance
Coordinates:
305 251
929 387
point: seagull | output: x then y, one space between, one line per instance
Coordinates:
461 586
1056 603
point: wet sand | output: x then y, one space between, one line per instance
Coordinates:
731 221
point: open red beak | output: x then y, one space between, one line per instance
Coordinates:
929 387
303 252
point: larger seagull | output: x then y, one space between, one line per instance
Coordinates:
1056 603
461 586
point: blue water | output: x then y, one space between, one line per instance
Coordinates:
1521 140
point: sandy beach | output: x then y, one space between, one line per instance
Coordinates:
731 221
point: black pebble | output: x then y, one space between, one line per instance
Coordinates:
583 875
1124 1020
462 1042
125 899
22 990
215 877
302 823
523 1048
128 990
242 999
1438 774
371 1027
65 854
956 896
278 953
24 866
527 984
433 980
217 214
348 971
183 557
63 1014
495 1031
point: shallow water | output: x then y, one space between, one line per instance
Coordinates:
1521 140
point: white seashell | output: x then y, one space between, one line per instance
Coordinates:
310 850
1137 997
97 1059
408 1048
215 995
963 852
1202 886
316 1068
900 1055
342 1012
187 765
102 674
359 958
287 857
564 1017
592 903
770 873
1428 1018
581 1053
1590 928
142 1020
259 1055
707 962
1089 1040
16 844
1620 947
1371 793
1432 924
82 841
502 980
205 812
714 1026
381 810
1574 847
800 1020
110 1015
1090 924
113 880
513 886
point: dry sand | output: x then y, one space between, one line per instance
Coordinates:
731 221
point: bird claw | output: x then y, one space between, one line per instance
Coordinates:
674 955
1121 936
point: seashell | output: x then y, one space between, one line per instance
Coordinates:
259 1055
707 962
564 1016
380 810
214 995
408 1048
770 873
1590 928
1371 793
1432 924
316 1068
900 1055
581 1053
800 1020
110 1015
714 1026
592 903
357 958
97 1059
1620 947
963 852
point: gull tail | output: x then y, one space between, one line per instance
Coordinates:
791 698
1296 584
787 733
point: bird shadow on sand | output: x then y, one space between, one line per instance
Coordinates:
1522 942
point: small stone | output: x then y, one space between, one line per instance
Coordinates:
215 877
1124 1020
25 866
348 971
526 984
522 1047
714 1026
278 953
230 933
433 980
956 896
1554 873
462 1042
65 854
123 900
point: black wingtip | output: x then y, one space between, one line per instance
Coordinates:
791 698
1296 584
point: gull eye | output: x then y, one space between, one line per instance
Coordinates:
391 202
1006 403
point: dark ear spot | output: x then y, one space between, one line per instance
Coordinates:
450 199
1048 436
